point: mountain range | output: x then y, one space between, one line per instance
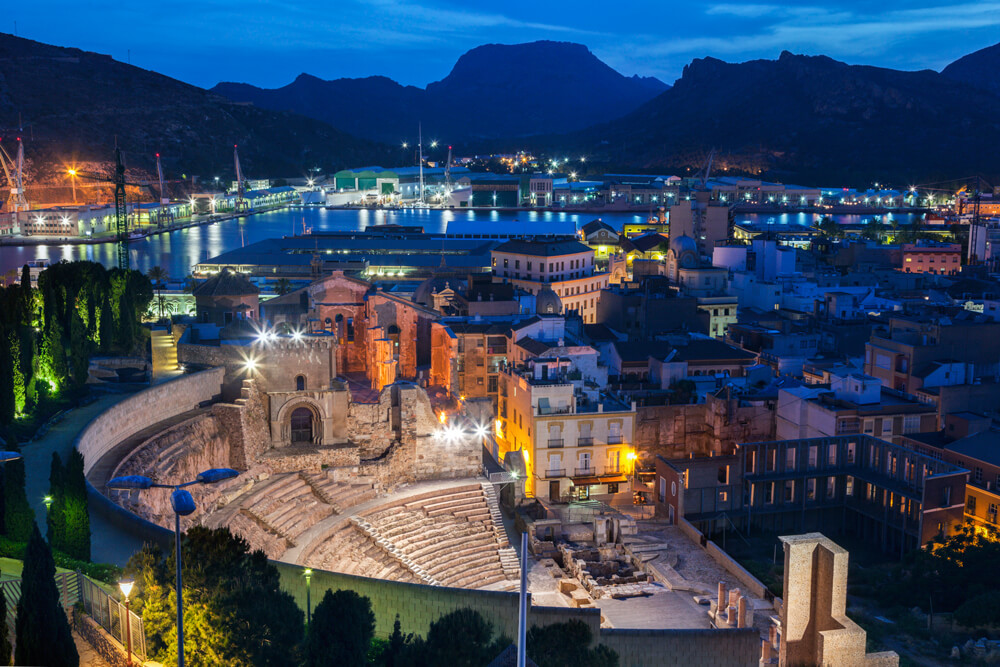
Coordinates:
493 91
72 106
810 118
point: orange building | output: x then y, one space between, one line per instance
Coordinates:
940 258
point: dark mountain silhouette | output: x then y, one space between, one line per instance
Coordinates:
811 118
72 105
493 91
980 69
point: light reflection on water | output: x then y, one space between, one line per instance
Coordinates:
178 251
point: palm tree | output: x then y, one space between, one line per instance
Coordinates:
282 286
158 275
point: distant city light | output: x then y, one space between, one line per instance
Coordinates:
405 145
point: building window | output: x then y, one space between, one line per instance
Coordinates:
831 487
978 475
850 452
300 383
723 475
831 455
769 493
811 488
911 424
813 456
790 459
970 505
849 486
991 515
789 491
612 487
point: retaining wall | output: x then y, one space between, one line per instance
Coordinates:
418 605
752 583
134 414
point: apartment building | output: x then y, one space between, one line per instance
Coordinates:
884 493
564 266
852 403
575 440
939 258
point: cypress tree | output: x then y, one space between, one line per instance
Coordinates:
7 395
17 375
76 517
42 630
52 356
5 647
27 296
19 517
55 521
341 630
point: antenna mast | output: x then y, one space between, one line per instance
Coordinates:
420 148
164 199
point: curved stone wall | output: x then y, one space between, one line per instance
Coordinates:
147 408
129 417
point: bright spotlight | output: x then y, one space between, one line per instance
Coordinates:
296 335
434 144
481 431
250 365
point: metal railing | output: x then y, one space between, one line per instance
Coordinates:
561 472
589 472
614 440
555 442
109 613
584 442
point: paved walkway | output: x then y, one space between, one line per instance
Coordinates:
109 543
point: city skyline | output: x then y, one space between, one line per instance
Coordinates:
417 43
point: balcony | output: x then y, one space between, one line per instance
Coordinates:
555 442
615 440
584 442
584 472
561 472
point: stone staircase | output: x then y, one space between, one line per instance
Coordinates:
508 555
393 551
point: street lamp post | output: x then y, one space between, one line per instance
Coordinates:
125 585
183 504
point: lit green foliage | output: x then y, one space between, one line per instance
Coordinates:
43 635
16 374
69 519
235 613
55 521
947 573
341 631
48 334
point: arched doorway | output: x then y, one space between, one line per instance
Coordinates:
301 425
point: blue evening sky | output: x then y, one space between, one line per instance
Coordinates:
269 42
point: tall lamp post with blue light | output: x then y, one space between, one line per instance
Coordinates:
183 505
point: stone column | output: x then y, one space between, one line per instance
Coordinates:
741 612
722 601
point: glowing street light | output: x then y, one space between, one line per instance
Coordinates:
183 504
125 586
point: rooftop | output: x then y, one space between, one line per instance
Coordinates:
540 248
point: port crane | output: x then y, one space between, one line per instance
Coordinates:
13 169
242 205
121 212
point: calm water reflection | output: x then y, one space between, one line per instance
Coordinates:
180 250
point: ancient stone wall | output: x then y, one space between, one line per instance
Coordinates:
142 410
671 431
276 364
245 424
338 305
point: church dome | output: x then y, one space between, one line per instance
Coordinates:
424 294
682 244
548 302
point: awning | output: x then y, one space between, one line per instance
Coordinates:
613 479
604 479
